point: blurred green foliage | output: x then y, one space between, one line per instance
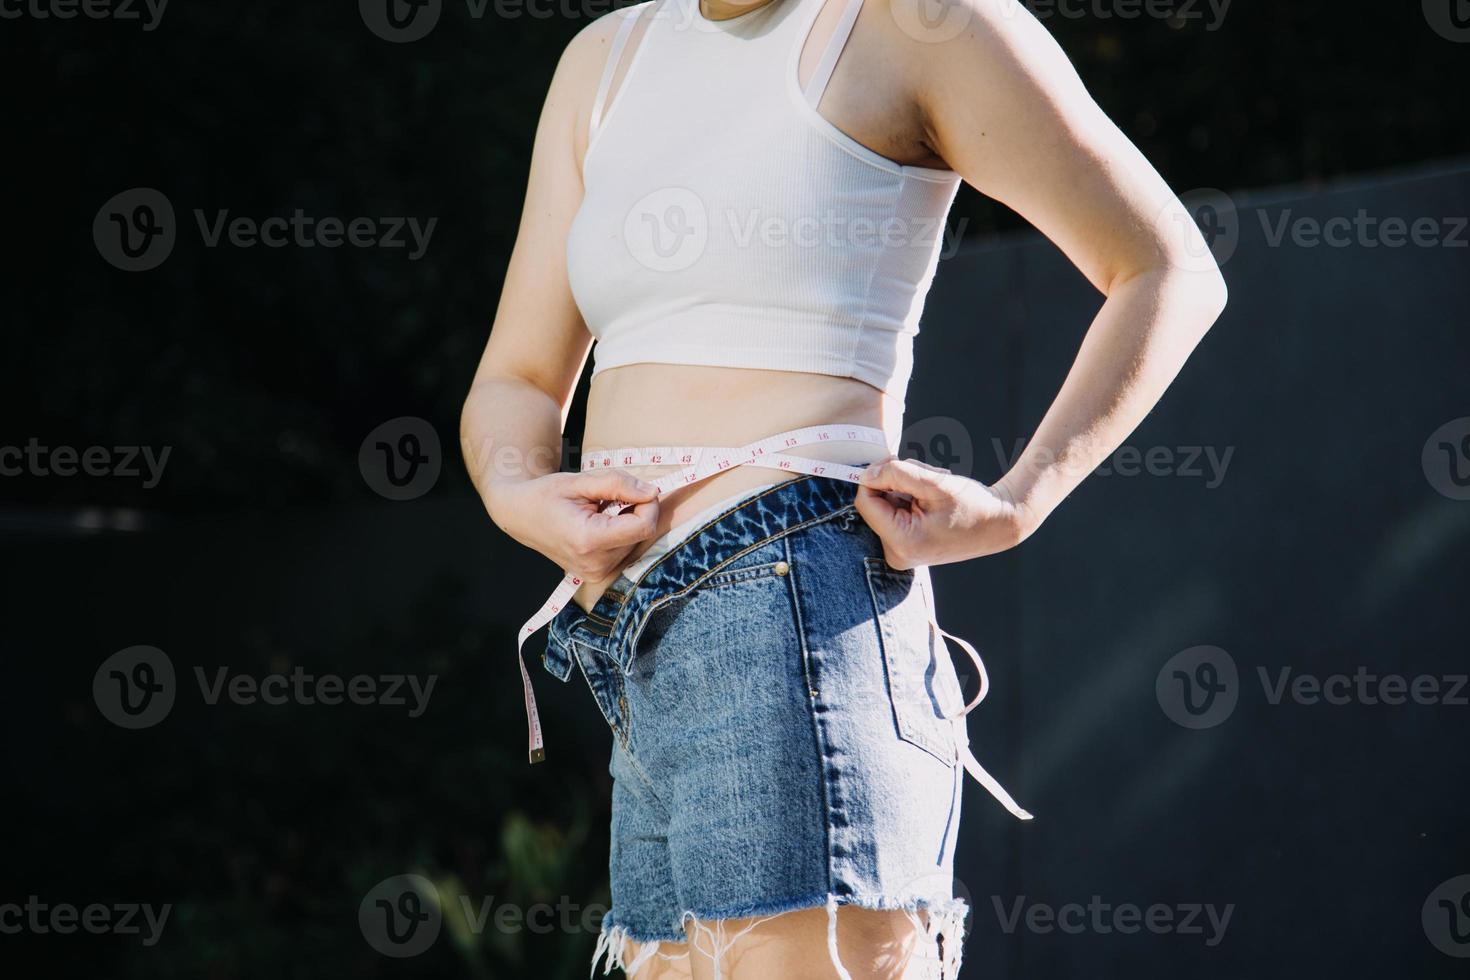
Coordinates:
265 826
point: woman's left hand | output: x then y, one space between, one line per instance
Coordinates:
927 515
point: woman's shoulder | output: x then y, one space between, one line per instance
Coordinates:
584 56
596 36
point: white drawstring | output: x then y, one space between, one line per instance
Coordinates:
699 462
962 733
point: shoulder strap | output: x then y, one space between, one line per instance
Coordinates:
629 17
840 33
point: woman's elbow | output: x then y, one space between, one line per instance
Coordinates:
1209 291
1197 283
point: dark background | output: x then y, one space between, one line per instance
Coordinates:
1328 545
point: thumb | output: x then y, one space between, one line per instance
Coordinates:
880 513
904 476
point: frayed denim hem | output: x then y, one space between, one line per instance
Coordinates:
942 925
613 942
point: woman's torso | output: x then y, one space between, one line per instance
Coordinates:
674 404
660 404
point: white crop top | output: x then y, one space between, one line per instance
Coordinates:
726 222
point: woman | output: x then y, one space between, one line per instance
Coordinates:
741 203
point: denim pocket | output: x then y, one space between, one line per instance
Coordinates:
728 605
920 676
745 573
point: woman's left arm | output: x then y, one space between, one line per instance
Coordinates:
1004 108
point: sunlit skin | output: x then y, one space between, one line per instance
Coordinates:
1000 104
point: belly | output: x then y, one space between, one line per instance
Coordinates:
670 404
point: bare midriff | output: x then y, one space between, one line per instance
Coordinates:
685 405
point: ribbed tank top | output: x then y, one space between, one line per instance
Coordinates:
726 222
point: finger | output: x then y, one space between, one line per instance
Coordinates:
626 528
876 509
904 476
614 485
888 521
928 466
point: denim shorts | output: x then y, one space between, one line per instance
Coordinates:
781 726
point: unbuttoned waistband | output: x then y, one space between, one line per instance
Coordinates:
617 619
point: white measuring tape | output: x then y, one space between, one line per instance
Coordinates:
701 462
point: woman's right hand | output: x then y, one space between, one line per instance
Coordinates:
560 515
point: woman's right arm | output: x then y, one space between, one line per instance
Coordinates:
512 420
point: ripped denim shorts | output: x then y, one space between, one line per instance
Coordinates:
778 707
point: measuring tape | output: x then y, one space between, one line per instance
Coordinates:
699 463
